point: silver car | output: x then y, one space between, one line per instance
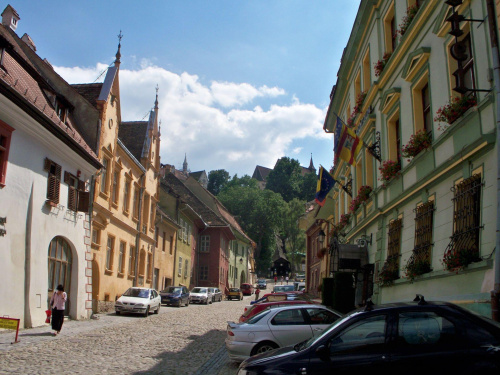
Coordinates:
200 295
277 327
216 294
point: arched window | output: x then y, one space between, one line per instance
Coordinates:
59 263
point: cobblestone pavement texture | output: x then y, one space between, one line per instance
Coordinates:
177 341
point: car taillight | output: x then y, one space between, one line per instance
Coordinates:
230 333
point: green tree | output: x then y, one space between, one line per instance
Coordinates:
293 238
217 180
245 181
286 179
308 188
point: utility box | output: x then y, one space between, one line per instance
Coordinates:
338 292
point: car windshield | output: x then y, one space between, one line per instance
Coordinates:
172 289
140 293
257 317
234 290
283 288
332 326
199 290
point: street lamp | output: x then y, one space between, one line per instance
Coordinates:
321 236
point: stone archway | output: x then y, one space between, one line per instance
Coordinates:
60 259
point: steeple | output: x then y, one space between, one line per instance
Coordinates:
185 164
311 165
156 101
118 53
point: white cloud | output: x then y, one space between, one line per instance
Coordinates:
207 122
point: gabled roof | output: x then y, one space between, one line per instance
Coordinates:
23 85
90 91
261 173
172 184
133 135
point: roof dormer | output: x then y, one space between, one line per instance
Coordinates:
10 17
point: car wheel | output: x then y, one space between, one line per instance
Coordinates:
263 347
147 312
157 311
117 313
206 301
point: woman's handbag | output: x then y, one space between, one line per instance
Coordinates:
49 314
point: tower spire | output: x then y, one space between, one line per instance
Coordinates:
118 53
311 165
185 164
156 100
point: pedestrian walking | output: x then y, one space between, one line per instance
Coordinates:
287 280
275 279
257 292
58 304
281 280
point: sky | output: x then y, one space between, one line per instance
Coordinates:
240 83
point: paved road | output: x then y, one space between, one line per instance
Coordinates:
178 341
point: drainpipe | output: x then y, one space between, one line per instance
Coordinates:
138 235
495 293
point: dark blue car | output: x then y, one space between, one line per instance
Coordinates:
175 296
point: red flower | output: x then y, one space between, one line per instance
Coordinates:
380 64
418 142
388 170
452 111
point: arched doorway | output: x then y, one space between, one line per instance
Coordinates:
59 264
243 278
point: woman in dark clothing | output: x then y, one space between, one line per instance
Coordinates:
58 304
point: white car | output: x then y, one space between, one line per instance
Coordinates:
201 295
138 301
276 328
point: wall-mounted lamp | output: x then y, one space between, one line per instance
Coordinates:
241 260
321 236
364 240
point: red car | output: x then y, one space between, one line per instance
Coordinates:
258 307
247 289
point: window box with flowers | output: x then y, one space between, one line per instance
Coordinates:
380 64
416 267
455 109
389 272
411 12
388 170
357 108
419 141
455 260
363 195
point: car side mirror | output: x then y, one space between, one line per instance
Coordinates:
323 353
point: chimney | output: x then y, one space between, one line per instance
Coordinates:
10 17
26 39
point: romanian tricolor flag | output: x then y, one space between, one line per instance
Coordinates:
346 143
325 184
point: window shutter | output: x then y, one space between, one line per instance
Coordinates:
83 201
81 185
46 164
66 177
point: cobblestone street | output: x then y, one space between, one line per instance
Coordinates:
186 340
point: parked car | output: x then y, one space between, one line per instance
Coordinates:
216 294
283 296
300 277
410 338
201 295
262 284
247 289
138 301
277 327
299 285
235 293
258 307
283 288
175 295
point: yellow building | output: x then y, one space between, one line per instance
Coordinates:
125 195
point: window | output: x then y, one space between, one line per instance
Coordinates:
186 268
96 237
121 258
171 245
149 274
126 197
365 336
78 198
394 135
116 187
136 203
321 316
426 109
131 261
59 263
163 241
104 175
203 272
53 181
464 242
5 137
145 214
110 249
180 267
394 246
189 234
390 35
366 71
152 216
204 244
61 110
422 105
288 317
423 233
180 233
